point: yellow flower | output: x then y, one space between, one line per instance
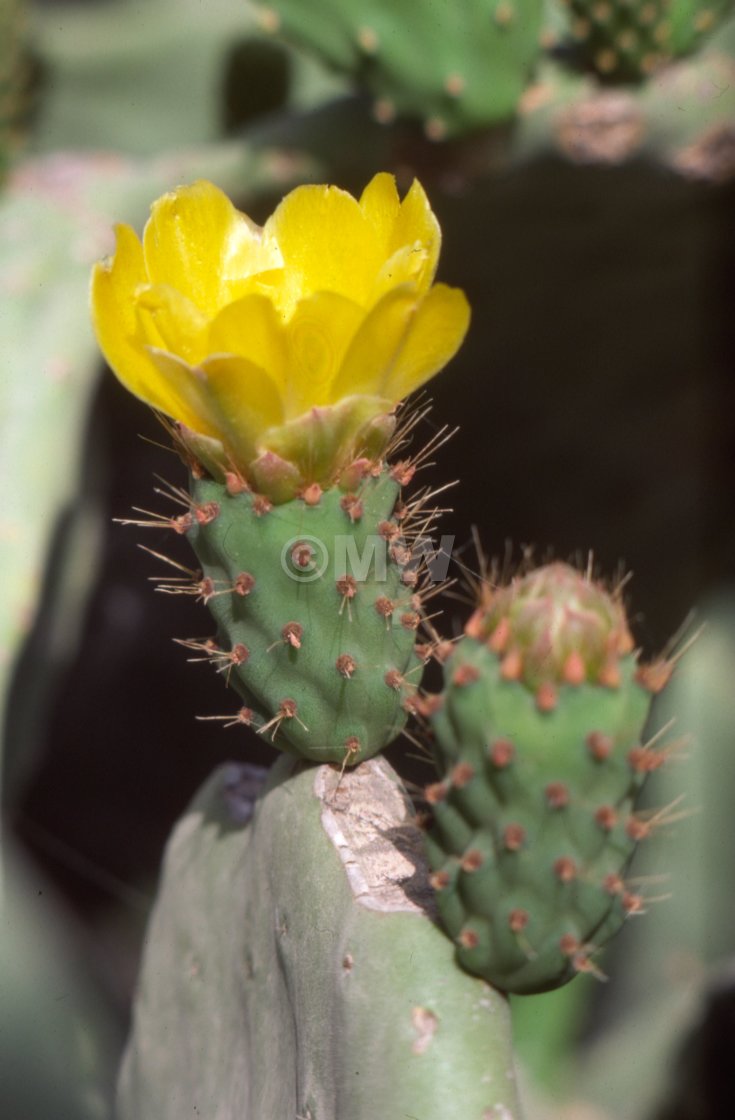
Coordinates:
280 349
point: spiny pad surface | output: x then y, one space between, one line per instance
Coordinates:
316 626
533 819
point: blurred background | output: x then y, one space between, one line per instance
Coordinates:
583 172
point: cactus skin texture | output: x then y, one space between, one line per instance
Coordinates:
316 621
458 65
539 741
624 41
292 969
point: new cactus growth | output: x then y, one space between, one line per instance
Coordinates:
625 42
539 740
456 66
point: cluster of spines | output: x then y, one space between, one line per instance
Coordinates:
457 66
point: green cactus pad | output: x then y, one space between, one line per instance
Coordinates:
541 762
316 620
458 65
625 41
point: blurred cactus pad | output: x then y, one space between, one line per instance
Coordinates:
626 41
293 969
623 40
456 65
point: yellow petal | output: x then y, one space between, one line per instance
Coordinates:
196 241
368 363
327 244
183 393
434 336
380 204
114 284
169 321
245 402
416 225
407 232
319 333
251 328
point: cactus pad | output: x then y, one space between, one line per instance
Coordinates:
316 619
456 65
539 743
625 41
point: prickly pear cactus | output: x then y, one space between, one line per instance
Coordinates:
625 42
539 741
316 618
457 64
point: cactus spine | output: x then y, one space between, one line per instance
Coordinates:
539 742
